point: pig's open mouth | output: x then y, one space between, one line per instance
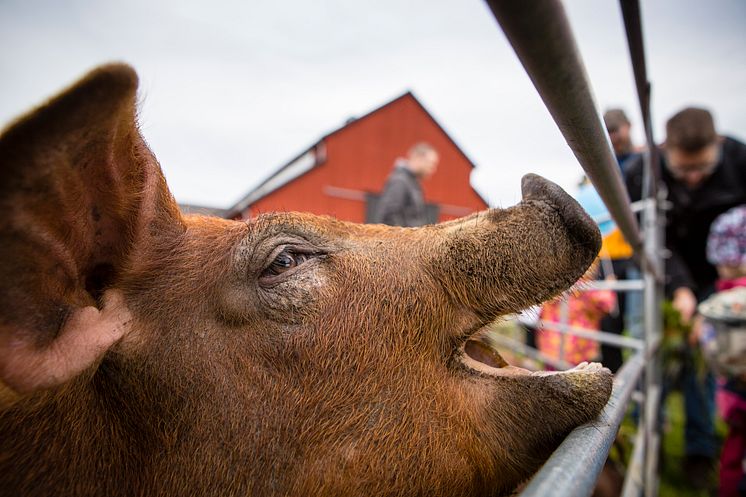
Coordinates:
479 354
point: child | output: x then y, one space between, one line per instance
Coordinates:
724 340
584 310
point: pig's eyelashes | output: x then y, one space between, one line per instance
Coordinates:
284 262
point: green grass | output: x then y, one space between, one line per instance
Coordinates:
672 483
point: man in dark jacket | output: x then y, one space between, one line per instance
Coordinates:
705 175
401 202
619 129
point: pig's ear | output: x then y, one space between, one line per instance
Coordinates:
79 194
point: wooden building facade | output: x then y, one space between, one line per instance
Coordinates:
342 174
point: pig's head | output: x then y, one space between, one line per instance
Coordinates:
143 352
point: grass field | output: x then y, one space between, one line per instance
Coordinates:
672 477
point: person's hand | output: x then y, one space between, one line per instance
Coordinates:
685 302
696 332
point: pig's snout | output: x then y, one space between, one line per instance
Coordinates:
513 258
579 224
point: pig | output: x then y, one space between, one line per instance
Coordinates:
145 352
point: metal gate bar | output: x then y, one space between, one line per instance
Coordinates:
541 36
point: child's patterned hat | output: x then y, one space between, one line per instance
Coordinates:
726 244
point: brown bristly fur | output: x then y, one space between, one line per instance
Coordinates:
143 352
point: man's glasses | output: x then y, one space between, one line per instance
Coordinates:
704 168
683 170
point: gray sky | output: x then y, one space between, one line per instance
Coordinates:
231 90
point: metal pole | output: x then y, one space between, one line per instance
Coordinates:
634 206
633 481
652 225
530 352
597 335
540 34
615 285
653 235
542 39
633 29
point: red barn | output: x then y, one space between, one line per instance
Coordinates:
343 172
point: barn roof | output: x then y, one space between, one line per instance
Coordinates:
314 156
203 209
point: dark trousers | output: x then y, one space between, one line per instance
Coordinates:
698 390
611 356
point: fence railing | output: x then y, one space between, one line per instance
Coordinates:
542 38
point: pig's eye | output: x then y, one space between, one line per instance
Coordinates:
284 261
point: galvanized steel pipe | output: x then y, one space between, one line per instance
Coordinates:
597 335
633 29
542 39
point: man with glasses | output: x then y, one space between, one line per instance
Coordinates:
704 175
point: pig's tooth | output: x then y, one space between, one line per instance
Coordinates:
584 367
588 366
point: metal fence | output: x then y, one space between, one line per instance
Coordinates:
542 38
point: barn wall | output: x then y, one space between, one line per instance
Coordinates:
359 158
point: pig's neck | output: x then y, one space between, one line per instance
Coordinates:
102 436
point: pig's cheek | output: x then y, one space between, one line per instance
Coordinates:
295 299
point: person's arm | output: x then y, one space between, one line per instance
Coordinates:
679 284
677 273
391 203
